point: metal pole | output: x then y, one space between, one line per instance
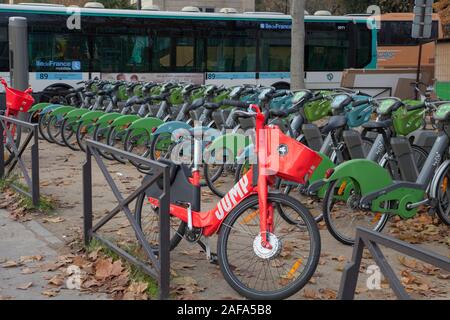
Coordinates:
35 167
164 238
2 149
139 4
87 197
419 67
18 52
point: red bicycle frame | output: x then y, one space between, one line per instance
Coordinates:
211 220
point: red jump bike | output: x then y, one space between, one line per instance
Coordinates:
16 102
268 243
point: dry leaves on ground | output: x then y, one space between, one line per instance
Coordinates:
54 220
186 286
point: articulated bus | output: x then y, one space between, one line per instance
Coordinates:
211 48
396 47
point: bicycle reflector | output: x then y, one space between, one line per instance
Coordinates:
329 173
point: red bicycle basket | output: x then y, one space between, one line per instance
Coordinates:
18 100
288 158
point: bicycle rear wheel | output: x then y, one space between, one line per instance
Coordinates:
259 273
69 133
54 129
342 213
147 218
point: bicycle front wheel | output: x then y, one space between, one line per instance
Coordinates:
259 273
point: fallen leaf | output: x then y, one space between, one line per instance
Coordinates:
410 263
52 266
10 264
56 281
26 271
26 259
25 286
50 293
310 294
328 294
136 291
54 220
103 268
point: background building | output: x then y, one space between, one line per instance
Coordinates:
203 5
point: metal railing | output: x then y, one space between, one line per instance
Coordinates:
13 147
159 269
372 240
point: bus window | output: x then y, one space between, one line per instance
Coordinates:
58 52
120 53
398 33
363 46
184 53
231 54
275 51
327 47
4 48
161 54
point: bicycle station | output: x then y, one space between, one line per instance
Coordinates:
263 154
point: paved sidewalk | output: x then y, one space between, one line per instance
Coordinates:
30 239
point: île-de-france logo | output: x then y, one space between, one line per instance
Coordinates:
330 76
76 65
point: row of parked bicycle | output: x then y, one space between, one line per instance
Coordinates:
144 118
380 157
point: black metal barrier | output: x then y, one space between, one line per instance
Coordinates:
160 261
371 240
13 151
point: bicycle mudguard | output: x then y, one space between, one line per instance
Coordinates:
91 116
435 187
62 111
38 107
318 176
76 114
108 118
125 121
50 108
147 124
366 175
171 127
234 142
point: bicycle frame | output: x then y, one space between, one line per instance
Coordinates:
211 221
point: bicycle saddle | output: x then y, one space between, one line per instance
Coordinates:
197 103
336 122
375 125
89 94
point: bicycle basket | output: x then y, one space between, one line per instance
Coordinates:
356 117
406 122
17 100
287 158
317 110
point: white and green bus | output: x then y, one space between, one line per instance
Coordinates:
230 49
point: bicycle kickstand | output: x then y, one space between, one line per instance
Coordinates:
210 256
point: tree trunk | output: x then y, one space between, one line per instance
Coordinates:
298 45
